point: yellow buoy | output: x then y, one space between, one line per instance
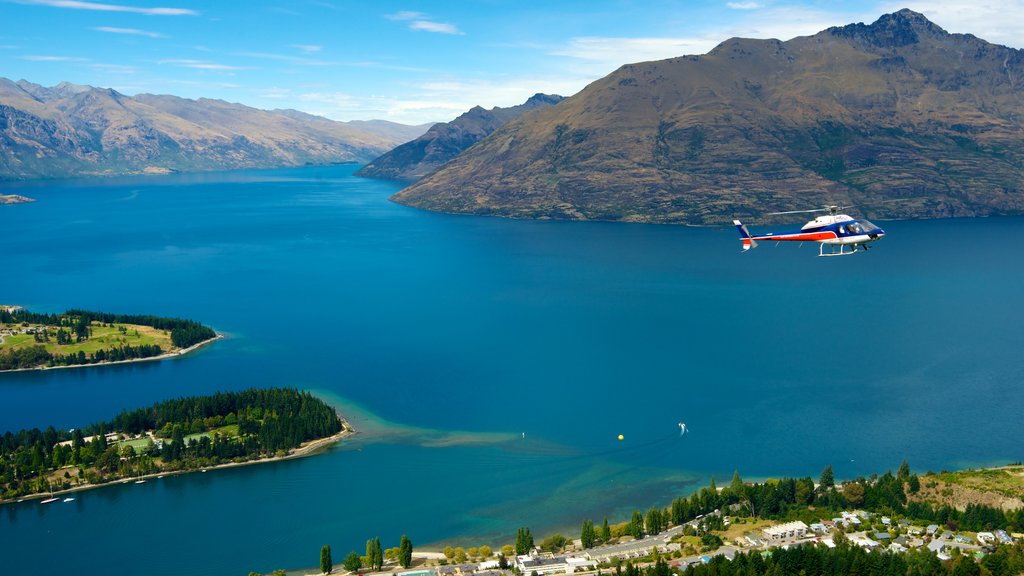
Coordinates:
621 437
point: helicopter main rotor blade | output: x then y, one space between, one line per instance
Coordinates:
798 212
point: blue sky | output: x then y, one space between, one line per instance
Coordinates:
407 61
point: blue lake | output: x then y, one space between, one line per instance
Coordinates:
491 364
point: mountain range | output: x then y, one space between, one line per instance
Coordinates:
861 114
446 140
71 130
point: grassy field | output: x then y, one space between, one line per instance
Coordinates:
103 338
1008 481
229 431
138 444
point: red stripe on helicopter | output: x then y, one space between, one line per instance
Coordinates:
808 237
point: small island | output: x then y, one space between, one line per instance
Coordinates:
14 199
30 340
174 436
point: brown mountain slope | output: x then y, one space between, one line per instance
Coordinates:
446 140
70 130
855 114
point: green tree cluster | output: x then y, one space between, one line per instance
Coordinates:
524 541
405 552
268 420
588 537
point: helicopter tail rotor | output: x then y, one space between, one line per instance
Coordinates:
745 237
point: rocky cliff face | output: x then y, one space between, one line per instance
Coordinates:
852 115
443 142
70 130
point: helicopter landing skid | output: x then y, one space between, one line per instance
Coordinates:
841 252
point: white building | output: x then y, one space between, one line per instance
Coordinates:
785 531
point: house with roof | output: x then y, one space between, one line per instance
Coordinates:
931 529
938 547
864 542
1003 537
785 531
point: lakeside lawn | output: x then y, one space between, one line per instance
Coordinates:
103 338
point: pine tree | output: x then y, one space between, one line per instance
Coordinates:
378 555
405 552
904 472
827 480
736 486
636 525
326 564
587 534
606 532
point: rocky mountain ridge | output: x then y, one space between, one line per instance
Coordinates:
446 140
70 130
858 114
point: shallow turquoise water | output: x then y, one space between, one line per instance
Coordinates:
422 324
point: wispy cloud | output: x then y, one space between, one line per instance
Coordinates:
435 101
307 48
424 23
610 53
128 31
80 5
743 5
297 60
199 64
39 58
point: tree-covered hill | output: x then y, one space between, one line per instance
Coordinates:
181 434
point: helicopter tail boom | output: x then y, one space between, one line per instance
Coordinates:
745 237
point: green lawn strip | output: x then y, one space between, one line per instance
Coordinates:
229 431
103 338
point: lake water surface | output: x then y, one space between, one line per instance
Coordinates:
491 364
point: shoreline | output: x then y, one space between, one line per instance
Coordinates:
310 448
164 356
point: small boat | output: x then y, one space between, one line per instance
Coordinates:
69 499
48 500
160 476
140 481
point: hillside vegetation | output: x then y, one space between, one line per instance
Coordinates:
858 114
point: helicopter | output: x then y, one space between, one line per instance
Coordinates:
832 229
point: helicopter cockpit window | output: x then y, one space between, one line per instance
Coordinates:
867 226
854 228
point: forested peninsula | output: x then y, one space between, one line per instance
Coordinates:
81 337
186 434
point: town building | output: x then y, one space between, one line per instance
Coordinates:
785 531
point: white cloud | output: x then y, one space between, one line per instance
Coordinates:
307 48
610 53
436 101
199 64
284 58
129 31
438 27
743 5
79 5
37 58
422 22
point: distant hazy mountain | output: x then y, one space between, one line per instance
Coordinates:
854 114
70 130
446 140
